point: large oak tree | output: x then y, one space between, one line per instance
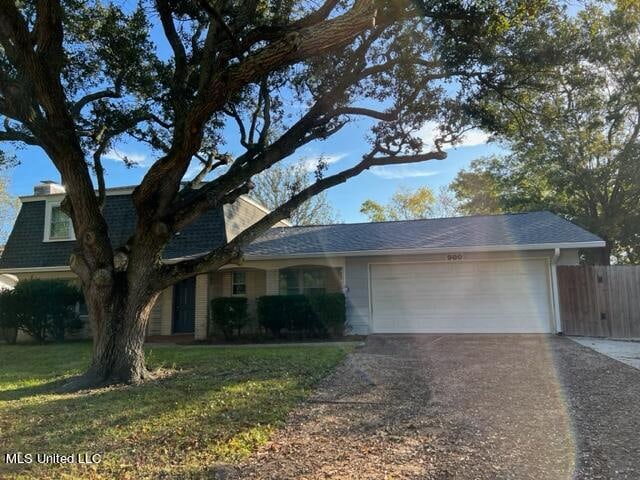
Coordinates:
77 76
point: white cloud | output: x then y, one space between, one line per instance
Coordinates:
392 172
137 159
429 132
310 164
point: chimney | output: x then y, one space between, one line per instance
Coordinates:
47 187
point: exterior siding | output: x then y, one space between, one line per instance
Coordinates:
569 257
242 214
166 315
161 314
155 318
272 282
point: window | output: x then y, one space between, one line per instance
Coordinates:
311 281
58 225
239 283
289 282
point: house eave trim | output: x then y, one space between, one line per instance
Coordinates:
35 269
366 253
420 251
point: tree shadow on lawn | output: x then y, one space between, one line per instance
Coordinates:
157 423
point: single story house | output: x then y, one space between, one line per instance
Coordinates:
480 274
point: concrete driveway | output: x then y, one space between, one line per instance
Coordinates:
463 407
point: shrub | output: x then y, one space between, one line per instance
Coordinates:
8 323
331 311
310 316
229 315
271 314
41 308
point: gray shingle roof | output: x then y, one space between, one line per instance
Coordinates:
25 248
458 232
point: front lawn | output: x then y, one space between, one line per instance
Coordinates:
215 405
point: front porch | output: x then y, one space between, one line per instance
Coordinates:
182 311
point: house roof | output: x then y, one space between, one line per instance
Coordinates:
535 230
25 247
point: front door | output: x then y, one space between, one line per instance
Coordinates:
184 306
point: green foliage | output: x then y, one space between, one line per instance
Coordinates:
213 405
303 315
479 189
331 312
408 204
572 128
8 207
44 309
229 315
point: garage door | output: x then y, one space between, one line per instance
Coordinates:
474 297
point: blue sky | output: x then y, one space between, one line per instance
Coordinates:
343 149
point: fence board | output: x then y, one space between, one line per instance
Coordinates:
600 301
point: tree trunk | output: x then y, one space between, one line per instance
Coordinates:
119 317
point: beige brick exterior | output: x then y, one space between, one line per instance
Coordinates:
202 307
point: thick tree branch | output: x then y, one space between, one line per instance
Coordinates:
165 175
172 273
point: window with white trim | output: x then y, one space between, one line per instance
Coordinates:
58 226
239 283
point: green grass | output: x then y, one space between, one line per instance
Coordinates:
217 405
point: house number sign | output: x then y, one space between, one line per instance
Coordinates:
452 257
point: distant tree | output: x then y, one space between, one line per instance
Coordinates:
8 208
573 131
405 204
276 185
446 204
479 189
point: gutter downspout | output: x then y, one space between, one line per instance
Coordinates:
555 298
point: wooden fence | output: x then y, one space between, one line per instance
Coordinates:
600 301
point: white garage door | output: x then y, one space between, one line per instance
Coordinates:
478 297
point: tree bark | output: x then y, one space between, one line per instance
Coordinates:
119 315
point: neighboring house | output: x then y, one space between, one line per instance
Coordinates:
7 282
466 274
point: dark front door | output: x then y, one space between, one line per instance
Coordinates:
184 306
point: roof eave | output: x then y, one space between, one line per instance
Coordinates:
366 253
433 250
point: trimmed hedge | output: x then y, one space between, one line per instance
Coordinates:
228 315
321 315
44 309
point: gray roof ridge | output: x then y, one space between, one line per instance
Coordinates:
480 215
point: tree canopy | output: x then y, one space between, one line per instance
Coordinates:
75 77
405 204
573 132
